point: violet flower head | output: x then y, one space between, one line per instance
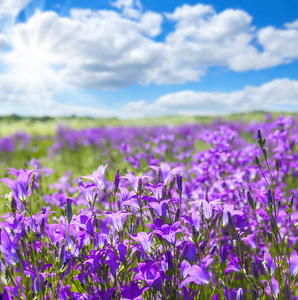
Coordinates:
233 266
98 177
149 272
8 248
268 263
239 295
20 187
132 292
165 171
87 190
179 183
134 180
274 288
197 274
160 208
223 253
117 218
294 263
145 240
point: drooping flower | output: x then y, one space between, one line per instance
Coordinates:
268 263
197 274
294 263
8 248
274 288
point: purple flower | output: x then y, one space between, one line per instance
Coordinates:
160 208
233 266
145 240
197 274
134 181
98 177
20 187
268 263
223 253
132 292
239 295
157 190
274 288
8 248
166 173
149 272
87 190
294 263
168 232
117 218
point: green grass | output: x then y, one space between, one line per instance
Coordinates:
47 125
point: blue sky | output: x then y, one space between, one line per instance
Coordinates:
131 58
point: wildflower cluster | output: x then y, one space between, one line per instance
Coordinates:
214 224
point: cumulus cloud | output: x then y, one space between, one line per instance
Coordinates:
270 96
11 8
116 48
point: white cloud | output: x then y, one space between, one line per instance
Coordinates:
11 8
107 50
274 95
116 48
3 41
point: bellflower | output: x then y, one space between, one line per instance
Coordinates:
8 248
197 274
134 180
294 263
166 173
268 263
98 177
145 240
20 187
87 190
117 218
132 292
149 272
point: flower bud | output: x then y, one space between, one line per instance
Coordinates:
116 181
212 250
62 253
42 226
172 183
277 164
259 135
250 200
257 161
231 221
68 210
202 245
255 270
140 186
269 197
239 295
179 183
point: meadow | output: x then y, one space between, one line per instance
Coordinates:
204 208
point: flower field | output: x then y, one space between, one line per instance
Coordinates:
201 211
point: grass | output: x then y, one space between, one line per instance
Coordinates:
47 125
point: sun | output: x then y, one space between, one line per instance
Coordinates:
32 60
33 63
